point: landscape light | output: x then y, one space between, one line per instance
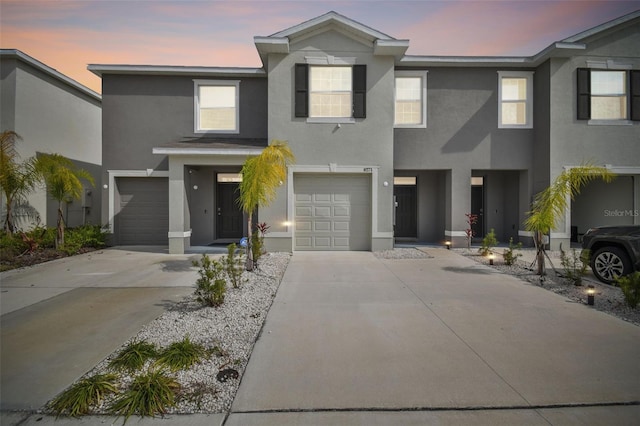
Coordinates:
591 296
448 244
491 257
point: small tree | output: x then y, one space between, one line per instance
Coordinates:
17 180
549 205
261 176
62 178
472 219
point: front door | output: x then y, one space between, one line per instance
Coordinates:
477 208
229 215
406 211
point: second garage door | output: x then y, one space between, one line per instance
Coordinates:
332 212
143 217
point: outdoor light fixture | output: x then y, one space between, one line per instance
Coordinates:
195 187
448 244
286 223
591 295
491 257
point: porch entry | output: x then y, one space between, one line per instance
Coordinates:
229 217
406 207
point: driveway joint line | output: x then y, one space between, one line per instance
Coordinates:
440 408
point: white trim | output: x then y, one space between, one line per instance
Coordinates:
100 69
609 64
331 120
610 123
177 234
330 60
454 233
197 83
423 76
528 76
113 174
328 17
204 151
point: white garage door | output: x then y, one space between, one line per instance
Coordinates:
332 212
143 216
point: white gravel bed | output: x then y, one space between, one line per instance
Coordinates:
232 327
402 253
608 298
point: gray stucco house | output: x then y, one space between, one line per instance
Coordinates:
388 146
52 113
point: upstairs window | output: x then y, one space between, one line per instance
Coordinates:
327 92
410 99
216 106
515 94
608 95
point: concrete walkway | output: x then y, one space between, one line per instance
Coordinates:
350 340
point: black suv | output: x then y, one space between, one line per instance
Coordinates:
614 251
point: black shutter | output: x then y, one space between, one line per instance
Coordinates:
302 90
584 94
634 99
359 91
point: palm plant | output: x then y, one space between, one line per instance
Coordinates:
17 179
63 180
261 176
550 204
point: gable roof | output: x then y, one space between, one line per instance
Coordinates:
382 43
18 54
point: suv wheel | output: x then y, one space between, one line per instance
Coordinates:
608 263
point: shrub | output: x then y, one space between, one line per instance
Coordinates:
509 255
91 236
488 243
233 266
211 286
11 245
575 266
472 219
150 394
182 355
630 285
76 400
134 355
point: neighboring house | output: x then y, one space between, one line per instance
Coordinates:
388 146
52 114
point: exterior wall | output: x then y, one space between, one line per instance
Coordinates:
52 117
367 143
142 112
462 135
573 141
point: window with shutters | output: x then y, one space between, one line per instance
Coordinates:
216 106
410 99
330 93
515 95
608 96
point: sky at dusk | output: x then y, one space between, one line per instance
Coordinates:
69 35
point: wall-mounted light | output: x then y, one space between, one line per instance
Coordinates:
105 186
286 223
195 187
385 183
591 295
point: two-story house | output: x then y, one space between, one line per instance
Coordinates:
52 113
388 146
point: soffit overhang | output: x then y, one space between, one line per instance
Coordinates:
192 71
212 146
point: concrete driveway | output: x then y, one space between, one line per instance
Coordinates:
352 338
61 318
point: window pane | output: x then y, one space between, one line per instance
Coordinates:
217 107
408 88
217 96
514 113
609 107
514 89
330 92
409 112
408 107
608 83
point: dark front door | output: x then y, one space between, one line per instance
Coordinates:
229 216
406 211
477 208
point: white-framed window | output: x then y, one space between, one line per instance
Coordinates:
608 95
410 99
216 105
330 91
515 99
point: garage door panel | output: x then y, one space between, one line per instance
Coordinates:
143 211
340 212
